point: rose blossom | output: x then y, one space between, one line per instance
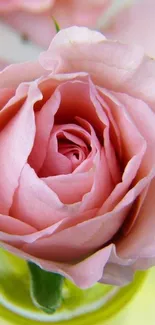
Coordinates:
39 26
77 161
134 24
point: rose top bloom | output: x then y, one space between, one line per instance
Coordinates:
34 18
77 162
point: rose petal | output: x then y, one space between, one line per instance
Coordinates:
71 188
134 150
60 225
5 95
14 74
116 66
16 141
44 124
82 105
144 119
137 244
86 237
84 274
34 203
14 227
109 150
102 185
118 271
55 163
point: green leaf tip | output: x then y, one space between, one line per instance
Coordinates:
57 27
45 288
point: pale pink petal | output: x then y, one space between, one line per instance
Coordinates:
34 202
134 25
121 188
44 120
75 149
71 188
16 141
115 66
14 227
115 134
14 74
109 149
85 238
118 275
11 102
118 271
56 227
140 242
78 106
144 119
5 95
28 237
80 240
102 186
134 150
60 158
55 162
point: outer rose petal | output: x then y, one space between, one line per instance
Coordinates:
134 25
84 274
142 116
15 74
112 65
138 244
44 120
86 237
14 226
16 141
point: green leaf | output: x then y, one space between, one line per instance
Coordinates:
46 288
57 27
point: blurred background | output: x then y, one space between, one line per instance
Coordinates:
26 27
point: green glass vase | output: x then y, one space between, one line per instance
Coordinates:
100 304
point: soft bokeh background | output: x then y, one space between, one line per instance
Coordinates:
130 21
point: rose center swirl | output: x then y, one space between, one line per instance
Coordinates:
69 146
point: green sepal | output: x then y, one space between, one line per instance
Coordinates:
57 27
45 288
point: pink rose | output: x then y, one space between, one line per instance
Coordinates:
134 24
39 27
77 159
